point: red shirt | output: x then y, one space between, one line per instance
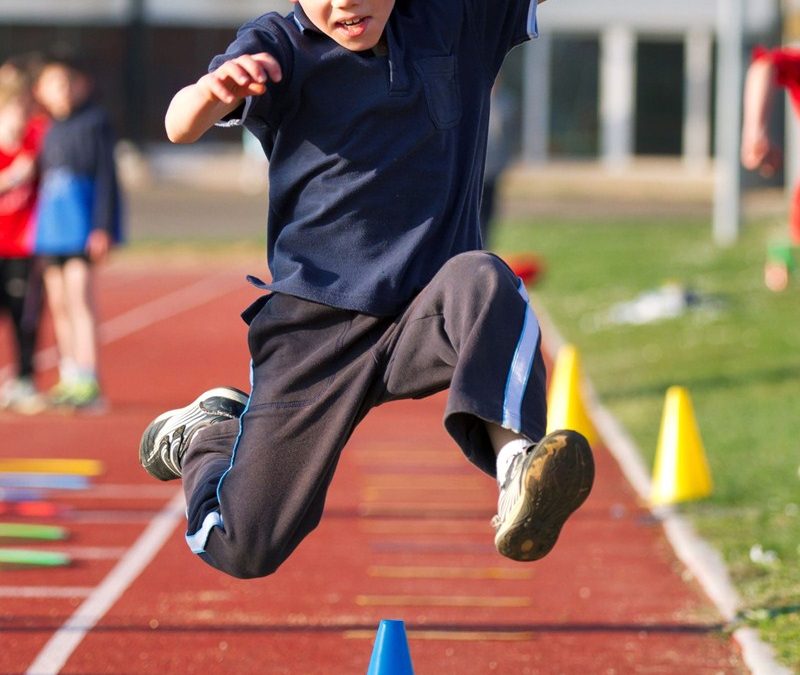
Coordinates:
787 69
17 204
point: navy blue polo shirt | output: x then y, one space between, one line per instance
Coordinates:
376 160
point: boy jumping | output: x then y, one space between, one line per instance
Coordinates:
373 114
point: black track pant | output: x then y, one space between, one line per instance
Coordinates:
256 486
21 297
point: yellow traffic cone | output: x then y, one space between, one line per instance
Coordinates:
565 405
681 470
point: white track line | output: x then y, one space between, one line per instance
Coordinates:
55 654
143 316
138 318
702 560
49 592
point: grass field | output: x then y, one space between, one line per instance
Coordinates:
739 357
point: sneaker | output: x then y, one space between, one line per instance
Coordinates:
21 395
545 485
59 394
167 437
84 393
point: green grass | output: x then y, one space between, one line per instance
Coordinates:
740 363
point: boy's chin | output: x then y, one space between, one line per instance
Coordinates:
357 45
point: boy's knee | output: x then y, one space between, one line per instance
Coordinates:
247 562
481 274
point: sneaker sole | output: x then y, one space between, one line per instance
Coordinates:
558 478
150 435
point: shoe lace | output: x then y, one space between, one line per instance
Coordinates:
509 490
171 448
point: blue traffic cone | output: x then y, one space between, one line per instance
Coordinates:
390 656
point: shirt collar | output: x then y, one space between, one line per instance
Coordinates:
302 21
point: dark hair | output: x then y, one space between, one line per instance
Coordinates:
66 56
27 65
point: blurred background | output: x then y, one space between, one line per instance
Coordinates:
623 178
609 84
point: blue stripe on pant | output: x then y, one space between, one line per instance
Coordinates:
317 371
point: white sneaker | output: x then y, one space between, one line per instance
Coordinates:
167 437
545 485
20 395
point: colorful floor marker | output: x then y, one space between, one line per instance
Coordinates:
44 481
20 494
30 558
32 509
28 531
77 467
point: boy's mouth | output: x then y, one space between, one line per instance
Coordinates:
354 27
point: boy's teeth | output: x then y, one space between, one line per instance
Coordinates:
351 22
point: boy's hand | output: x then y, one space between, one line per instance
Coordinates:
243 76
196 108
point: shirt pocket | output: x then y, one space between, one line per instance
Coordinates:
438 75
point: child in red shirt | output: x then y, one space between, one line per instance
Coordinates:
20 286
768 70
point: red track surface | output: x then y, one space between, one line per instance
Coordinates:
406 535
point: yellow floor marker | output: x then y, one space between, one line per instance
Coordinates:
74 467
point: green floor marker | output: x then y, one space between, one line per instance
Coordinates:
27 531
27 557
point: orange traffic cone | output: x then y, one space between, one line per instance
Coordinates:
681 470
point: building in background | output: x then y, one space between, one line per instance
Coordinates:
608 80
141 51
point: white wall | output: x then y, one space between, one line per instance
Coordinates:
658 16
211 12
648 16
64 11
184 12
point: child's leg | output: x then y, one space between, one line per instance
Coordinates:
507 444
472 327
15 283
256 486
55 289
794 217
21 295
79 306
471 330
31 314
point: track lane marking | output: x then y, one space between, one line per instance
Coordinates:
153 311
57 651
441 601
30 592
55 654
451 635
433 572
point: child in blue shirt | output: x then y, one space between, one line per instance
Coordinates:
373 114
78 221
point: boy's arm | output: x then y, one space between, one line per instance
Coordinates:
198 107
105 212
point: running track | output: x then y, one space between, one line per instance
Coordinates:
406 535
